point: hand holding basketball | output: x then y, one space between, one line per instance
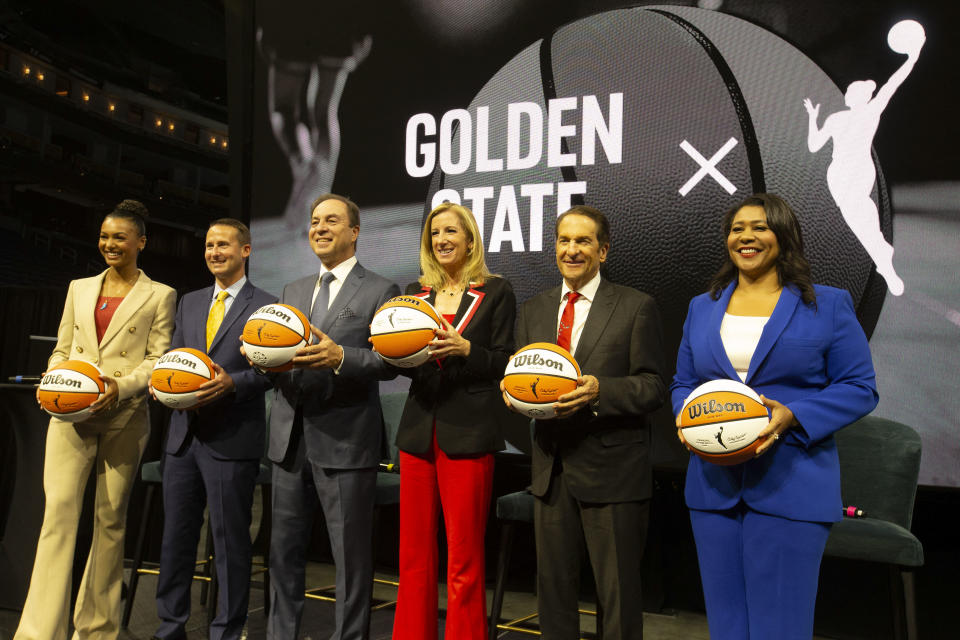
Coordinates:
588 387
447 342
781 419
506 399
221 385
323 354
111 396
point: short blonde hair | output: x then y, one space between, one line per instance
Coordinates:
474 269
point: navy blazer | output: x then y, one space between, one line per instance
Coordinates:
232 426
461 396
817 362
342 420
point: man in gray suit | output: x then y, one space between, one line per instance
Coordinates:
591 465
326 428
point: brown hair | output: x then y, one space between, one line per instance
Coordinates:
243 232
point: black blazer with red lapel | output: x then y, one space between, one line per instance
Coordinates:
462 395
605 450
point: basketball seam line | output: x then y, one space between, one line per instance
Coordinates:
393 333
707 424
550 93
736 96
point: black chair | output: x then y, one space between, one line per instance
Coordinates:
513 509
151 475
879 466
388 490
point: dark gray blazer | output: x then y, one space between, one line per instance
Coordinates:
342 421
606 457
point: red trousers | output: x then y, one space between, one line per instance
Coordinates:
463 486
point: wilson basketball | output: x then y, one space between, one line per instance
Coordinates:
402 328
691 81
67 391
720 420
177 377
273 334
537 375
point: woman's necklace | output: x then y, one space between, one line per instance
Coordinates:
451 291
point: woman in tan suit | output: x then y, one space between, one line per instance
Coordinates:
121 321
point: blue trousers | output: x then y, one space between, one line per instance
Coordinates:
191 480
759 573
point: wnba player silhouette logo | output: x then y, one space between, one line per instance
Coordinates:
533 387
852 174
719 436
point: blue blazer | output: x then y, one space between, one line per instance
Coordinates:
233 426
817 362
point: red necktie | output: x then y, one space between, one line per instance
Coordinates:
566 321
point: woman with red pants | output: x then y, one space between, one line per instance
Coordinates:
450 429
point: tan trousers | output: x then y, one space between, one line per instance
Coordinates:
71 451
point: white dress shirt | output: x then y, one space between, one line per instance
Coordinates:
581 308
340 273
740 336
232 292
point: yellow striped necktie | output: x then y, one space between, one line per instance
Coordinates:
215 317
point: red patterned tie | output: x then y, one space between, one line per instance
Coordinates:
566 321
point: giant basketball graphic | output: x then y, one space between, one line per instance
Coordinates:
708 109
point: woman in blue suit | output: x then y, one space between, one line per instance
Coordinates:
761 526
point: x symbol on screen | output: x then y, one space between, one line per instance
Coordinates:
708 167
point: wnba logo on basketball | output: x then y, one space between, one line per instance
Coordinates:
705 408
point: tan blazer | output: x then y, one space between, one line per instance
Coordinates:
138 334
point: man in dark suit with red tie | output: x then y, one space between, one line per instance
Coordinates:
212 453
591 465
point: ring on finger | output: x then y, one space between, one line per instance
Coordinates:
776 436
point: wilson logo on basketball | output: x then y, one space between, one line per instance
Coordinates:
417 302
272 310
536 360
174 358
706 408
56 378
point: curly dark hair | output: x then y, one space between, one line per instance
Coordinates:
134 211
792 267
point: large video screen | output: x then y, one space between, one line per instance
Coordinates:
661 115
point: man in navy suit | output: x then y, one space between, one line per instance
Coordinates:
212 454
326 428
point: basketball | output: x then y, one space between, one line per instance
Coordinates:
907 36
720 420
686 75
67 391
402 328
536 376
177 377
273 334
